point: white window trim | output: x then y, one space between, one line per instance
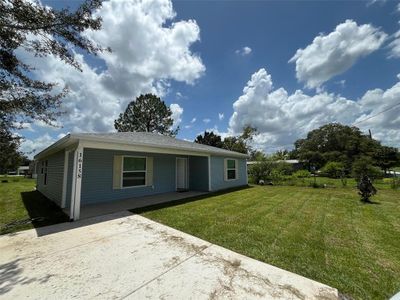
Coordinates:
226 169
122 173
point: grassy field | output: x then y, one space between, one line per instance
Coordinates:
20 203
324 234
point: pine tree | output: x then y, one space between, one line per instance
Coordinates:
147 113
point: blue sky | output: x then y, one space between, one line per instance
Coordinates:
208 71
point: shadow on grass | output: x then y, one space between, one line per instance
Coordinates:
370 202
41 212
141 210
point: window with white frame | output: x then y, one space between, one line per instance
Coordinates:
231 166
133 171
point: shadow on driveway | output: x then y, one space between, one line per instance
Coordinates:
11 276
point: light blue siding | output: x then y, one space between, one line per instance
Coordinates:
217 174
69 179
97 181
198 173
97 177
55 173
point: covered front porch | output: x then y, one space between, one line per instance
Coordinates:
103 181
98 209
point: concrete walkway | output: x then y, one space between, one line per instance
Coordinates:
124 256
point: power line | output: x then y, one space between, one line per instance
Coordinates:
366 119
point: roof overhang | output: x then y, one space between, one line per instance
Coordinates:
71 141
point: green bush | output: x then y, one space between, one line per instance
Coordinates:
301 174
333 169
269 170
283 168
364 166
261 170
277 175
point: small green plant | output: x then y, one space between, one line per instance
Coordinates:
395 183
316 185
366 189
343 180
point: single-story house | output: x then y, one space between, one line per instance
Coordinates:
92 168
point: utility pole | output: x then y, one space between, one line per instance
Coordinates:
370 134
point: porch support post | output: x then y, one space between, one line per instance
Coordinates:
65 180
76 184
209 173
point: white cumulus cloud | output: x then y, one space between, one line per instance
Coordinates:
282 118
334 53
394 46
177 112
32 146
149 49
221 116
243 51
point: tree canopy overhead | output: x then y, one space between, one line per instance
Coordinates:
41 31
147 113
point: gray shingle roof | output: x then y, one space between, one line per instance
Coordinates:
155 140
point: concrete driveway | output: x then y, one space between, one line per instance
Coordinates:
125 256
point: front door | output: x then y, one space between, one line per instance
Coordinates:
181 174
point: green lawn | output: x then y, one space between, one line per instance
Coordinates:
19 203
324 234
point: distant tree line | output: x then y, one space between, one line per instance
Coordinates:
336 150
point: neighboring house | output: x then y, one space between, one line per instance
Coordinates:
23 170
89 168
295 163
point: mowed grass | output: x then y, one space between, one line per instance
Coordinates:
20 203
324 234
